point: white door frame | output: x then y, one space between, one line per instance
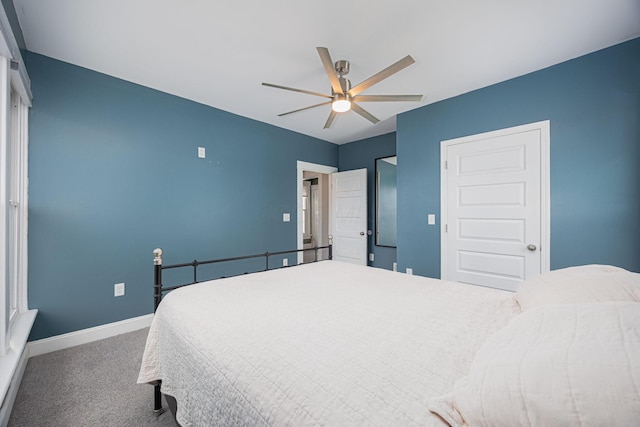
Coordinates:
308 167
545 210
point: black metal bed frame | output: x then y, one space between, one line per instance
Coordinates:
159 290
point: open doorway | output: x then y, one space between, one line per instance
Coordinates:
313 206
315 211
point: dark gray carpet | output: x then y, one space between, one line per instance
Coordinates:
89 385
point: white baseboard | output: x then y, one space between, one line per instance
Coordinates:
84 336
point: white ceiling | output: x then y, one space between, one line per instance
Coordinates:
219 52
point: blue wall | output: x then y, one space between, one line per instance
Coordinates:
593 104
362 154
114 173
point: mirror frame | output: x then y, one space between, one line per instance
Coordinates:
377 200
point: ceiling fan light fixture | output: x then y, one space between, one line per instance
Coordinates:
341 104
342 93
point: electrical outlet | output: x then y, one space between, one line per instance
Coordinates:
118 289
285 262
202 153
371 257
409 270
286 217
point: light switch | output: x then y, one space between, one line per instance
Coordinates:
286 217
201 152
431 219
118 289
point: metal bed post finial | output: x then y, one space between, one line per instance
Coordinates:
157 256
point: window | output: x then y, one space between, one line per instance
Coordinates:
15 317
17 206
13 204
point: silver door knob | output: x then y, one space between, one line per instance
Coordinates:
362 233
532 247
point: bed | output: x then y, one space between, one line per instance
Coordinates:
336 344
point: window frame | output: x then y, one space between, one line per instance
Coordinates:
18 205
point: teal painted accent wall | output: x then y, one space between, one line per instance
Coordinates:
114 173
593 104
363 154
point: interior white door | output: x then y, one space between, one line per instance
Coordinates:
493 209
348 218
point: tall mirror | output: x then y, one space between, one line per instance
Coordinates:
386 201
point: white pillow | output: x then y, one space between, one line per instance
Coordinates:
587 283
558 365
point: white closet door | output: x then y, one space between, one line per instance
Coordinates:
493 207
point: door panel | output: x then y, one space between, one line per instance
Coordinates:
491 230
492 207
489 269
493 195
349 216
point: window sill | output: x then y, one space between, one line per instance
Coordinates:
20 330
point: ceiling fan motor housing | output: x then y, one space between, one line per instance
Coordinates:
342 67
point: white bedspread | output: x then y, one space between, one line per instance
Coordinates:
327 343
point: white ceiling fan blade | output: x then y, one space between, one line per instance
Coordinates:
378 77
305 108
330 119
364 113
327 62
308 92
386 98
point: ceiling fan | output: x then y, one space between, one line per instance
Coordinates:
344 97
